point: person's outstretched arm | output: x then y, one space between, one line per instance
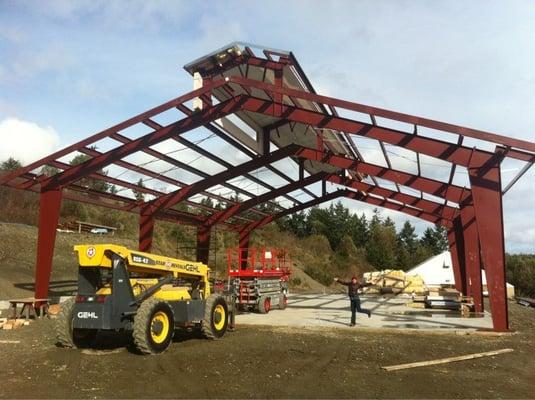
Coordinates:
341 282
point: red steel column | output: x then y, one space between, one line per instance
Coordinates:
487 195
203 244
146 231
457 258
472 259
49 207
244 249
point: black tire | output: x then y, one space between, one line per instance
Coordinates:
215 321
150 333
283 302
66 335
264 304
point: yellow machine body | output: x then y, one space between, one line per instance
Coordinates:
149 267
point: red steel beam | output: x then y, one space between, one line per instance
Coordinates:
105 133
378 112
175 162
436 213
203 244
472 260
432 147
186 124
486 191
456 247
154 175
352 195
245 150
437 188
230 212
173 198
49 207
431 207
132 204
314 202
385 203
146 232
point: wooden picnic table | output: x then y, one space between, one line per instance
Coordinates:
29 307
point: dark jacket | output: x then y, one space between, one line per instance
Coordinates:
353 288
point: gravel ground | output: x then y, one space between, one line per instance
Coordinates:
269 362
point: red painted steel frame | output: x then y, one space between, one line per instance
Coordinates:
486 191
49 206
475 227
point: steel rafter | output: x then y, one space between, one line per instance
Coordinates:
173 198
184 125
505 141
385 203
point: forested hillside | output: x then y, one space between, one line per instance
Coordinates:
325 241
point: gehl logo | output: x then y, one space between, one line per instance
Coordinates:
192 268
87 314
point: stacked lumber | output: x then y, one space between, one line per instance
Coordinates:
526 301
447 298
394 281
9 324
418 301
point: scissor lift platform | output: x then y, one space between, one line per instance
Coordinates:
259 278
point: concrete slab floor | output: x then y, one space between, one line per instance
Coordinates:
332 310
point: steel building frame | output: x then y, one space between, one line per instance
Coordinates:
270 95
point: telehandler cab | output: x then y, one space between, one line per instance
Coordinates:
149 295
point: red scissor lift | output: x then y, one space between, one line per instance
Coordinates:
259 278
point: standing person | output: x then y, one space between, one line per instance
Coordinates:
353 291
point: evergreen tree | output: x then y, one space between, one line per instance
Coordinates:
408 238
95 184
358 230
435 239
441 238
47 170
137 193
10 164
407 245
381 248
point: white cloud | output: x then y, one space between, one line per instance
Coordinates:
26 141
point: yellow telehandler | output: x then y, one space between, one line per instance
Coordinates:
150 295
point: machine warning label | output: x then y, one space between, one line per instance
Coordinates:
90 252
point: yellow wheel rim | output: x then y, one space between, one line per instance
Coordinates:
159 327
219 317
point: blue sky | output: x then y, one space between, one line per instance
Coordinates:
69 69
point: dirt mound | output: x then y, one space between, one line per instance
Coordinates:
300 282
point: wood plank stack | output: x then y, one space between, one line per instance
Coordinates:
418 301
446 298
9 324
